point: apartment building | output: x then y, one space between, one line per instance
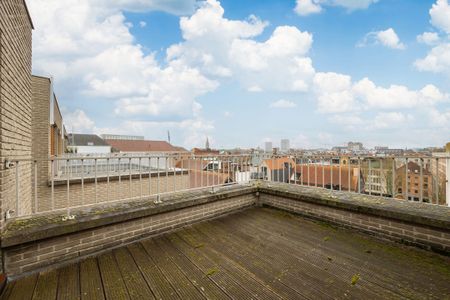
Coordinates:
315 174
277 169
48 131
414 183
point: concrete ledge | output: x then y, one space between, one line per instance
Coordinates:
417 224
37 228
408 211
38 242
113 177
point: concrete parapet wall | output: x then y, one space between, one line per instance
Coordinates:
48 240
30 244
416 224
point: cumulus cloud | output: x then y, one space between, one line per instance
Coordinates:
223 48
438 58
428 38
387 38
440 15
98 56
333 92
78 121
439 118
307 7
142 24
391 120
336 93
283 103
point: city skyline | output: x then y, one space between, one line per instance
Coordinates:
243 73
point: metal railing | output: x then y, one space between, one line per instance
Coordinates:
74 181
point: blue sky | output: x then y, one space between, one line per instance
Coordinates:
319 72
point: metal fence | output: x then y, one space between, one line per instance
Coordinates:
74 181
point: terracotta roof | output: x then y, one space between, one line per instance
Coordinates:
324 176
198 151
197 177
142 146
278 163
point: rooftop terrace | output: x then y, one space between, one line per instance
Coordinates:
258 253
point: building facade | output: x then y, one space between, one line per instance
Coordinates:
15 105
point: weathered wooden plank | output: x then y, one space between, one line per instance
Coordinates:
46 286
136 284
239 274
263 275
113 283
90 280
178 280
304 239
250 253
7 290
198 278
212 268
156 280
69 283
23 288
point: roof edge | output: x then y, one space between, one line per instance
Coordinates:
28 14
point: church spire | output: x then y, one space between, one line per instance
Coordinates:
207 144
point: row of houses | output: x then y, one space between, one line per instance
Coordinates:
409 181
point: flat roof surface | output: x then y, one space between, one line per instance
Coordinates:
258 253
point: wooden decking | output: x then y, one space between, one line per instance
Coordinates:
255 254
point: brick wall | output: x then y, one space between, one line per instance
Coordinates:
15 102
40 133
410 233
27 257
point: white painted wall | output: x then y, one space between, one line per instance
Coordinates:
91 149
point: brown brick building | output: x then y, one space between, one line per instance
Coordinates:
410 185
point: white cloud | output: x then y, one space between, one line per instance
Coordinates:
283 103
333 92
98 56
428 38
391 120
223 48
78 122
396 96
387 38
307 7
336 93
437 60
142 24
349 120
439 118
440 15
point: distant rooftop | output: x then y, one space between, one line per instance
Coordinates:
143 146
122 137
77 139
